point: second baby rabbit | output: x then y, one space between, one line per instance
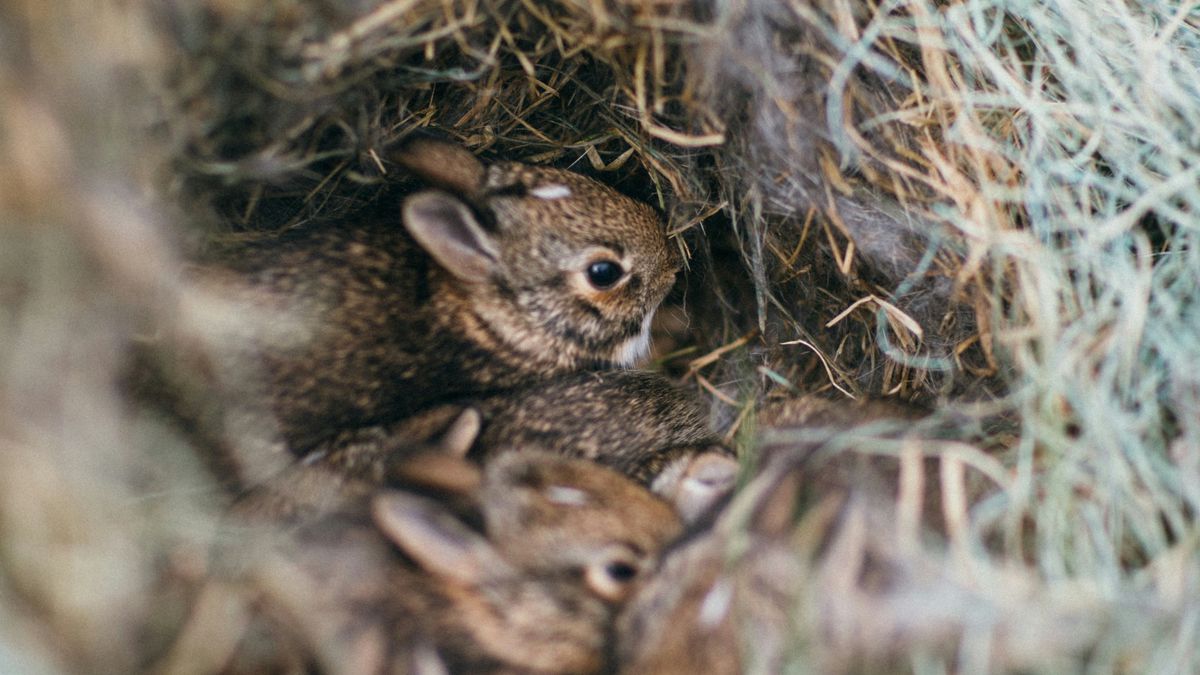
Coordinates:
639 423
561 545
496 276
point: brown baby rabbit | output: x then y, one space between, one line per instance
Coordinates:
704 609
638 423
810 547
563 543
496 276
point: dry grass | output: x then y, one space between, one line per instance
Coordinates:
986 208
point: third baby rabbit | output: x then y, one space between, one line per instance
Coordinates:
496 276
819 543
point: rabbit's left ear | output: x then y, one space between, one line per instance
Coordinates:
436 540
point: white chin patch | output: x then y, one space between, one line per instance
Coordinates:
551 191
635 348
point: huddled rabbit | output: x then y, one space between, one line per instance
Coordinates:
495 276
727 599
530 581
638 423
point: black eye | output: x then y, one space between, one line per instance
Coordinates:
620 571
604 273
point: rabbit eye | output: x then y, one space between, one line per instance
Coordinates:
621 571
611 575
604 274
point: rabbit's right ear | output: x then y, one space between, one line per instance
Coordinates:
448 231
436 540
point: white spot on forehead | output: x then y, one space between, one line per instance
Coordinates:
566 496
551 191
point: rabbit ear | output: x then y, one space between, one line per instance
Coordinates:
775 514
436 540
441 163
437 471
449 232
708 479
695 484
461 435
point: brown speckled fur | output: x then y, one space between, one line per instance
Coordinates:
723 600
356 608
635 422
520 490
377 330
344 470
719 600
335 589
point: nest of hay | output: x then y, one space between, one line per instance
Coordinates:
987 211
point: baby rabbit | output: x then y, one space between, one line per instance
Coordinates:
494 277
563 543
638 423
705 609
810 547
